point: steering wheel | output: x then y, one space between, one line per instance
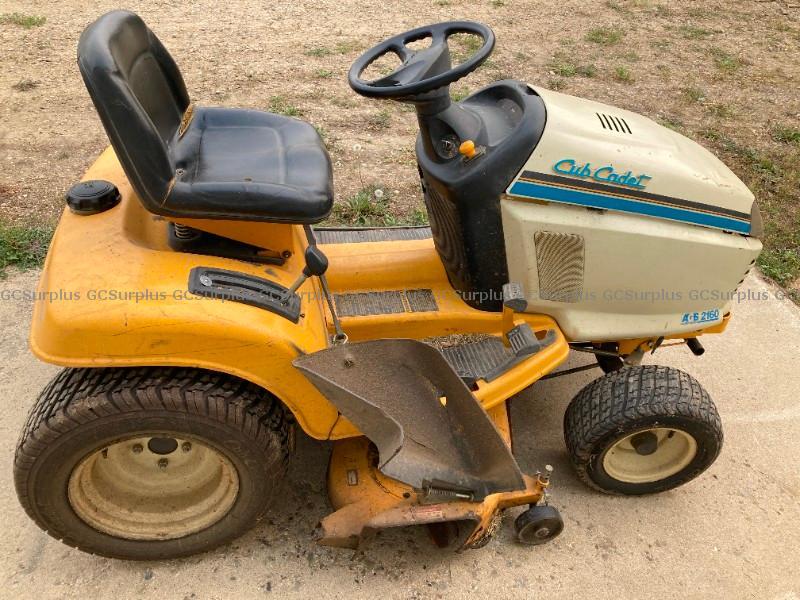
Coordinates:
421 70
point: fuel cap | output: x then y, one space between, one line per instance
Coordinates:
92 197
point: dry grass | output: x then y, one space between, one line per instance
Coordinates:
724 73
372 206
605 36
623 74
22 20
23 246
280 105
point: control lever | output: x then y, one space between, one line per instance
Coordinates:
316 265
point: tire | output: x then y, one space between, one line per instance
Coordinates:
642 430
86 420
538 524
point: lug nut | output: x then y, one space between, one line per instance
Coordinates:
186 446
162 463
137 448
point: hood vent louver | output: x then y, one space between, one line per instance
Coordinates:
613 123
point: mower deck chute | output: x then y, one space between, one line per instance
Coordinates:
431 432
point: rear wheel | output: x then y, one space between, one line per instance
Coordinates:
642 429
150 463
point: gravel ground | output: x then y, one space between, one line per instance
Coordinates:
733 533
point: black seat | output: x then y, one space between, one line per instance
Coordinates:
196 162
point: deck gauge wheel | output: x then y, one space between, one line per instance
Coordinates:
538 524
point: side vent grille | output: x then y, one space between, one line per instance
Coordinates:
613 123
559 259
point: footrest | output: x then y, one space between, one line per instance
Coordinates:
523 341
488 359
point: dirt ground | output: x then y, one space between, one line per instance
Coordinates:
732 533
728 66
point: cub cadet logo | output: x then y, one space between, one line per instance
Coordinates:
605 174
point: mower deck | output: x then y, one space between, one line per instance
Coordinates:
366 500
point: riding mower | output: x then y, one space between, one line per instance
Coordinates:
202 313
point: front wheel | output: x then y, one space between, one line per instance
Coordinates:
150 463
641 430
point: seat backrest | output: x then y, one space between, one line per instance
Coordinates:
140 96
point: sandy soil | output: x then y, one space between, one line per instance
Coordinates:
245 53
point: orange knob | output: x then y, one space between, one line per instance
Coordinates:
467 148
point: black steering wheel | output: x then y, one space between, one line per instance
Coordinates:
421 70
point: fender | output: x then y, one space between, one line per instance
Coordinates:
112 294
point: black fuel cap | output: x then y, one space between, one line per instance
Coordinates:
92 197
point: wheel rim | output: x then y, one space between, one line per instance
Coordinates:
540 531
153 488
650 455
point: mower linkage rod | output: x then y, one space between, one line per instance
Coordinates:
340 337
591 350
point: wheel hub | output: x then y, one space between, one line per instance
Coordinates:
650 455
153 488
645 443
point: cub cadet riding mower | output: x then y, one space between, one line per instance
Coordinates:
206 314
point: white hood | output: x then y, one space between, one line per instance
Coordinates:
592 154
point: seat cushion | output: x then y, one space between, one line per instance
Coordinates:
249 165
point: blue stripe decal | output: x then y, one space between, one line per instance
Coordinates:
570 196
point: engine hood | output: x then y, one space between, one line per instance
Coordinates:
598 156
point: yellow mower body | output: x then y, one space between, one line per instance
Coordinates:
130 307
